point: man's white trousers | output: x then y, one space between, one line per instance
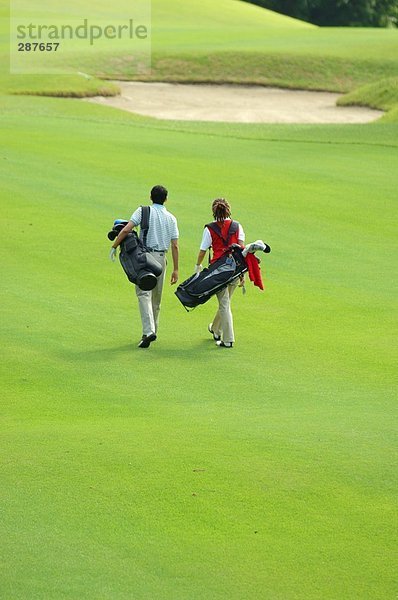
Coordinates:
149 302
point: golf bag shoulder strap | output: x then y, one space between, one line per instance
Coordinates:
233 228
146 210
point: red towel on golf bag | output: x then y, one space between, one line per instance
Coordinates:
253 264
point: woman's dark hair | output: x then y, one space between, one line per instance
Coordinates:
158 194
221 209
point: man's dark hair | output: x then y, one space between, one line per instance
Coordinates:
158 194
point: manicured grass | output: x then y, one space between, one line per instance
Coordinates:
185 471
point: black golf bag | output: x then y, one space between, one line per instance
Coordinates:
200 287
140 266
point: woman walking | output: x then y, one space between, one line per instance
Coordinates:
218 236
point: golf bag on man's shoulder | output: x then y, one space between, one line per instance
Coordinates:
200 287
140 266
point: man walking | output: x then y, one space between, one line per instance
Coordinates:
162 232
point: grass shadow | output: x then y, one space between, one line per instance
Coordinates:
159 350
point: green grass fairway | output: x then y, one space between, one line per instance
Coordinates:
185 471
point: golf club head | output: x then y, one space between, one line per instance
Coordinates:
118 225
112 235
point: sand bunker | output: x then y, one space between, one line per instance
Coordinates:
233 103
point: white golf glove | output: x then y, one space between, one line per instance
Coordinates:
112 254
198 268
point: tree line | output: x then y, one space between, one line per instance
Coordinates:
349 13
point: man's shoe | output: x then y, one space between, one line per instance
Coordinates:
222 344
216 337
146 340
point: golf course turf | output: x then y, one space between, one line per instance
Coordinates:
186 471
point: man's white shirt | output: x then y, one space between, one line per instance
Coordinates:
162 226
